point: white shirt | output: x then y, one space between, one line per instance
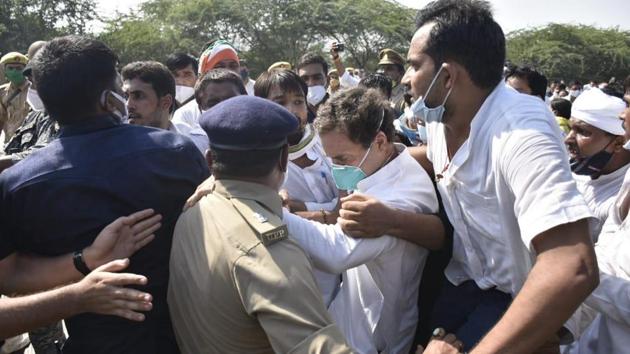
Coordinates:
315 186
608 307
508 182
600 195
249 86
376 307
347 81
186 120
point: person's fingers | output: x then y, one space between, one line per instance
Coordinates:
349 214
459 345
357 206
357 197
146 232
348 225
130 294
450 338
143 242
133 305
113 266
137 216
128 314
121 279
143 225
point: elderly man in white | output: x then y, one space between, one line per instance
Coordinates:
598 160
376 304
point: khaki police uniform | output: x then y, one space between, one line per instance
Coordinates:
13 107
391 57
238 284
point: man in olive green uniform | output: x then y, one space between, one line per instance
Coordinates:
238 284
13 107
392 65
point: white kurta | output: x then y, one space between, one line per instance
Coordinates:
376 307
608 307
186 120
600 195
508 182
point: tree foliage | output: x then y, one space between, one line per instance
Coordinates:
264 31
572 52
25 21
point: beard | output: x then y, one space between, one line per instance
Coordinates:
294 138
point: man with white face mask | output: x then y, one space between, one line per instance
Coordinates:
313 69
522 257
183 67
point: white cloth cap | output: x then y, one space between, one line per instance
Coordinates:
599 110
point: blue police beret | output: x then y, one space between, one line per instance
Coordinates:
248 123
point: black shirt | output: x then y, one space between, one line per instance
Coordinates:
59 198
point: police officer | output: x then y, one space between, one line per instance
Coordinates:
392 65
237 282
13 107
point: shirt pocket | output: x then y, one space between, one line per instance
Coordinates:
481 215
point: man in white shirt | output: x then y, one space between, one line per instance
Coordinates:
184 69
520 224
309 188
595 143
150 91
247 80
218 54
376 304
602 324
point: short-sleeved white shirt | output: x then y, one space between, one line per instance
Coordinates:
509 182
186 120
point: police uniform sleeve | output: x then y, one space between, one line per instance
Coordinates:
277 287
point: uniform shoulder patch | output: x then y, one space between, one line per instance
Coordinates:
268 227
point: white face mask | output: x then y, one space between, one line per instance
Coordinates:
33 100
182 93
430 115
124 115
627 145
315 94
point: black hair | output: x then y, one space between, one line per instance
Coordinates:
219 76
466 33
71 74
249 163
154 73
378 81
626 84
177 61
287 80
312 58
356 112
536 81
562 87
562 107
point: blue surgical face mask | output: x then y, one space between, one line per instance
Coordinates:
430 115
422 133
347 177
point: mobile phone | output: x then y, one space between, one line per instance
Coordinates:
340 47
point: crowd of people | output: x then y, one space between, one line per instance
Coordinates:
447 203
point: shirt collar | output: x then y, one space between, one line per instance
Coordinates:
90 124
262 194
388 173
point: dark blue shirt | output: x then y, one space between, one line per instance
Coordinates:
58 199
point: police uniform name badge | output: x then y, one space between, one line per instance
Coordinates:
268 227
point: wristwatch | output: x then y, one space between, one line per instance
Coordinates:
79 262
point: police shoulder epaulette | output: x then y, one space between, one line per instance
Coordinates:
269 228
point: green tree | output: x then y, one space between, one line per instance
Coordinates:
572 52
264 31
25 21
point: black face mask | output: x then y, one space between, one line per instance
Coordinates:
244 74
592 165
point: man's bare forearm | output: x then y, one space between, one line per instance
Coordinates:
565 273
34 273
19 315
425 230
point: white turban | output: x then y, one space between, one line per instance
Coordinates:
599 110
